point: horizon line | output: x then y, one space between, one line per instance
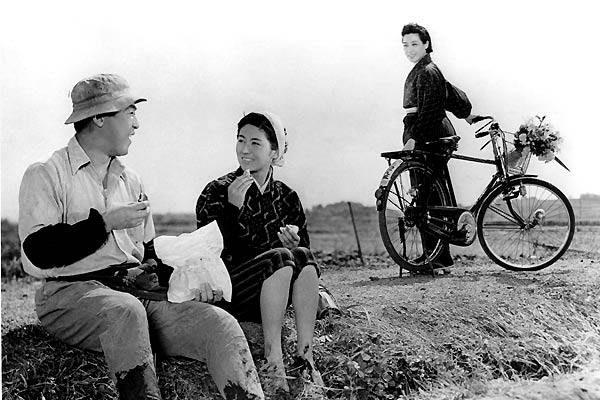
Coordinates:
584 196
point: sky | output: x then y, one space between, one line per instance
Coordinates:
333 71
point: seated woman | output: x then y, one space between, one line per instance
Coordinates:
266 244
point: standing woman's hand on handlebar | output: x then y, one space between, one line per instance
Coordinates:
474 118
471 119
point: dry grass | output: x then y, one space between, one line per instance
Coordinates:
477 325
478 331
407 337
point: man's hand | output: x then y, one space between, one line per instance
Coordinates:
206 294
147 281
236 192
125 216
410 145
288 235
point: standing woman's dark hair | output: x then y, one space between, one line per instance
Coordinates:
421 31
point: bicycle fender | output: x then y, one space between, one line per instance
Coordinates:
388 173
384 182
511 179
517 177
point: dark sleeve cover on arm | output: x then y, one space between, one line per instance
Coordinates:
63 244
150 251
162 270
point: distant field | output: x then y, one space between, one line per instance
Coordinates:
330 228
174 224
587 209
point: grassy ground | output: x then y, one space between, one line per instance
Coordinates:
479 332
453 335
475 332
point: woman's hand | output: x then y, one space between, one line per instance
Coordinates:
288 235
470 118
206 294
410 145
236 192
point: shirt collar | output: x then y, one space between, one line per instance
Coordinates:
79 159
426 59
117 167
77 156
264 186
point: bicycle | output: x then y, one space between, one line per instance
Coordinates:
522 222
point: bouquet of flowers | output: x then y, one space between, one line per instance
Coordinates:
539 138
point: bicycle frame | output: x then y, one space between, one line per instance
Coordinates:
497 179
501 177
418 211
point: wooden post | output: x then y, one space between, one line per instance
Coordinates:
356 234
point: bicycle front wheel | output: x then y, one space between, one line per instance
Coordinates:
526 224
411 188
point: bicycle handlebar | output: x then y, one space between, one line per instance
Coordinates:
478 118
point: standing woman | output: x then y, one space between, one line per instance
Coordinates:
424 103
266 244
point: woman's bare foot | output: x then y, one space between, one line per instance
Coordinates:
305 369
273 377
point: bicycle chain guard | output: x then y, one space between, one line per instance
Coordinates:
451 224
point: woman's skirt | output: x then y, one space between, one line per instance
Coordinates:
247 279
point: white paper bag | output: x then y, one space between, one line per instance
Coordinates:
195 258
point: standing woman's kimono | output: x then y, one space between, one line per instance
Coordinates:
424 101
426 120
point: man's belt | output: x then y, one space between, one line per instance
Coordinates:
95 275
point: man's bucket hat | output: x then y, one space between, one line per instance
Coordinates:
99 94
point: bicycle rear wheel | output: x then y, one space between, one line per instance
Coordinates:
402 213
526 224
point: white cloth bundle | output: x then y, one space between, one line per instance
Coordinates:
196 259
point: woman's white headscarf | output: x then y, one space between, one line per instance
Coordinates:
281 135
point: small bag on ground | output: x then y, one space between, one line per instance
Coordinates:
327 304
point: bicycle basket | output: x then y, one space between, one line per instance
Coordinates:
516 162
